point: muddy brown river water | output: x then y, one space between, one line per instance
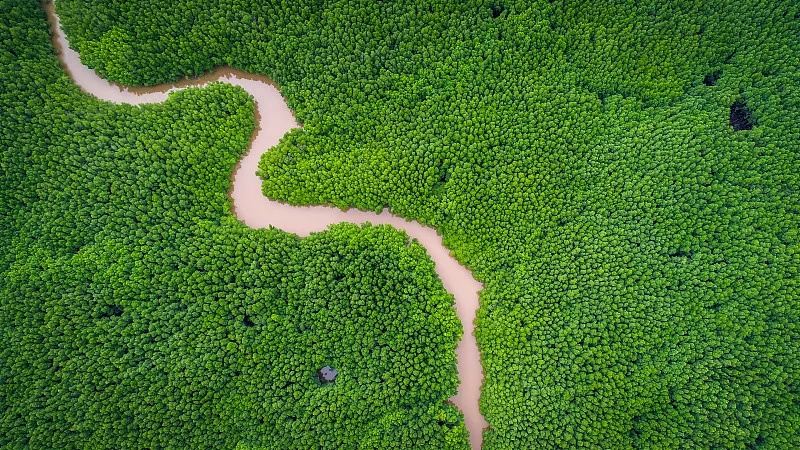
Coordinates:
253 209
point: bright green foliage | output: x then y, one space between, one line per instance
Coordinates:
640 257
136 312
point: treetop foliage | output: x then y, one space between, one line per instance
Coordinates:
640 255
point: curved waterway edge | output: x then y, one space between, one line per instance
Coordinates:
274 119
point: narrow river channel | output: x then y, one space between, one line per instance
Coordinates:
253 209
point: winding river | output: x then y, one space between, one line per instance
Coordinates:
250 206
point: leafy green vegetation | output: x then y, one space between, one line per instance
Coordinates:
640 255
136 312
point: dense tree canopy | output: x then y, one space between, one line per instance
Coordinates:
640 255
136 312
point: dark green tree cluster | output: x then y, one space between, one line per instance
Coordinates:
640 256
136 312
